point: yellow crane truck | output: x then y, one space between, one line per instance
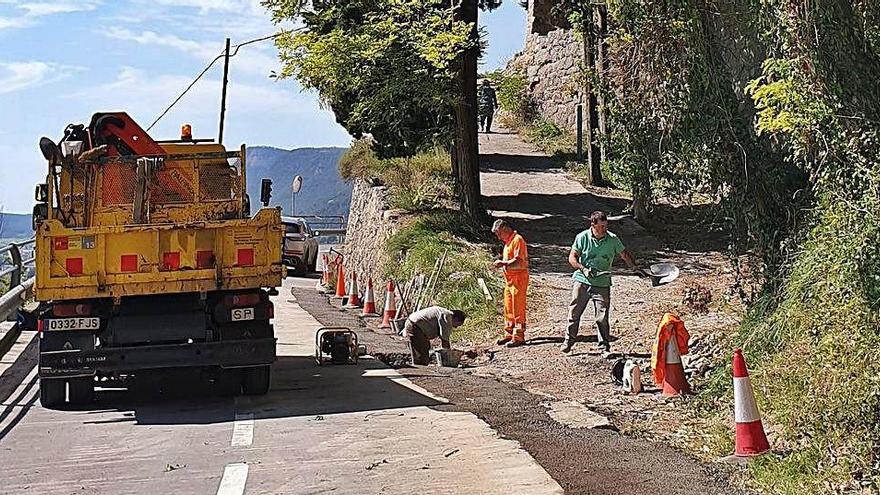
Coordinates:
148 259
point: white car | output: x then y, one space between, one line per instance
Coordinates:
300 249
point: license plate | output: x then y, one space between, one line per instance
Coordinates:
73 324
242 314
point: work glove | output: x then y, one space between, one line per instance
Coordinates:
588 272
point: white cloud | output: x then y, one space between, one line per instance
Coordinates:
16 76
257 60
205 6
164 40
36 10
39 9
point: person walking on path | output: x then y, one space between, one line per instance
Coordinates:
488 103
592 254
427 324
515 263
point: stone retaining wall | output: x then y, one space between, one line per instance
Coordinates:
370 223
551 63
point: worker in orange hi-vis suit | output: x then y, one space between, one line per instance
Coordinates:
515 264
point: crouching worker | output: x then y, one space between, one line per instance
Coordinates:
428 324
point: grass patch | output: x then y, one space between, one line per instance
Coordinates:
418 183
415 248
815 364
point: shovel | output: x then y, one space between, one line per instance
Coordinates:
662 273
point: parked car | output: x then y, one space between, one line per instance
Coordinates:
300 250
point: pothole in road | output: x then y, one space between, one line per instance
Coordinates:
394 359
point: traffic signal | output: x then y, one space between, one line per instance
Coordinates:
266 191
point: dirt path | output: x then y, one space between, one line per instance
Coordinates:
549 208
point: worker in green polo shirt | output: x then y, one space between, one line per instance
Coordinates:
592 254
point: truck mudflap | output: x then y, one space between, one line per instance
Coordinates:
229 354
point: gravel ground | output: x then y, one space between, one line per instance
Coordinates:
583 461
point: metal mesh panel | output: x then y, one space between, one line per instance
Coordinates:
119 183
74 197
173 184
217 182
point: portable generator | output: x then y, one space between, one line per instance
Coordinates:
336 345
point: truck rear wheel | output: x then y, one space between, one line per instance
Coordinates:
51 392
255 381
82 390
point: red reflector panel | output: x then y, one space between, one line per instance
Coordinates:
171 261
246 257
128 263
74 266
60 244
242 300
204 259
66 310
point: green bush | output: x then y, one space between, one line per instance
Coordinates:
418 183
514 97
814 356
416 248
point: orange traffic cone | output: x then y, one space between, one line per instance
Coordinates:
340 281
325 272
390 306
370 300
674 381
354 298
323 285
750 437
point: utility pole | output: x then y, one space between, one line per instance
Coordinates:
223 97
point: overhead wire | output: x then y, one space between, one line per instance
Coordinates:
232 53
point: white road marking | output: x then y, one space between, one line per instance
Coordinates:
234 479
243 431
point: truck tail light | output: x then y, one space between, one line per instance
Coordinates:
242 300
67 310
40 324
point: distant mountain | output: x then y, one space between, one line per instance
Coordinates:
323 191
15 226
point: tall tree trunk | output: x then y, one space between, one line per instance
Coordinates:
601 71
467 147
594 154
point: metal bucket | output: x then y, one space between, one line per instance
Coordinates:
449 358
397 325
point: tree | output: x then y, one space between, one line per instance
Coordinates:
401 71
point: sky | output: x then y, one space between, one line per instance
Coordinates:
63 60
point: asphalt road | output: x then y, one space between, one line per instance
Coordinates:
360 429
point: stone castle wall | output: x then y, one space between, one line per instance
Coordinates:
551 63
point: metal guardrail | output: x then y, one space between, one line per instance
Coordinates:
19 291
331 227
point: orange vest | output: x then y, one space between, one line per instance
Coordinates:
670 327
516 249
